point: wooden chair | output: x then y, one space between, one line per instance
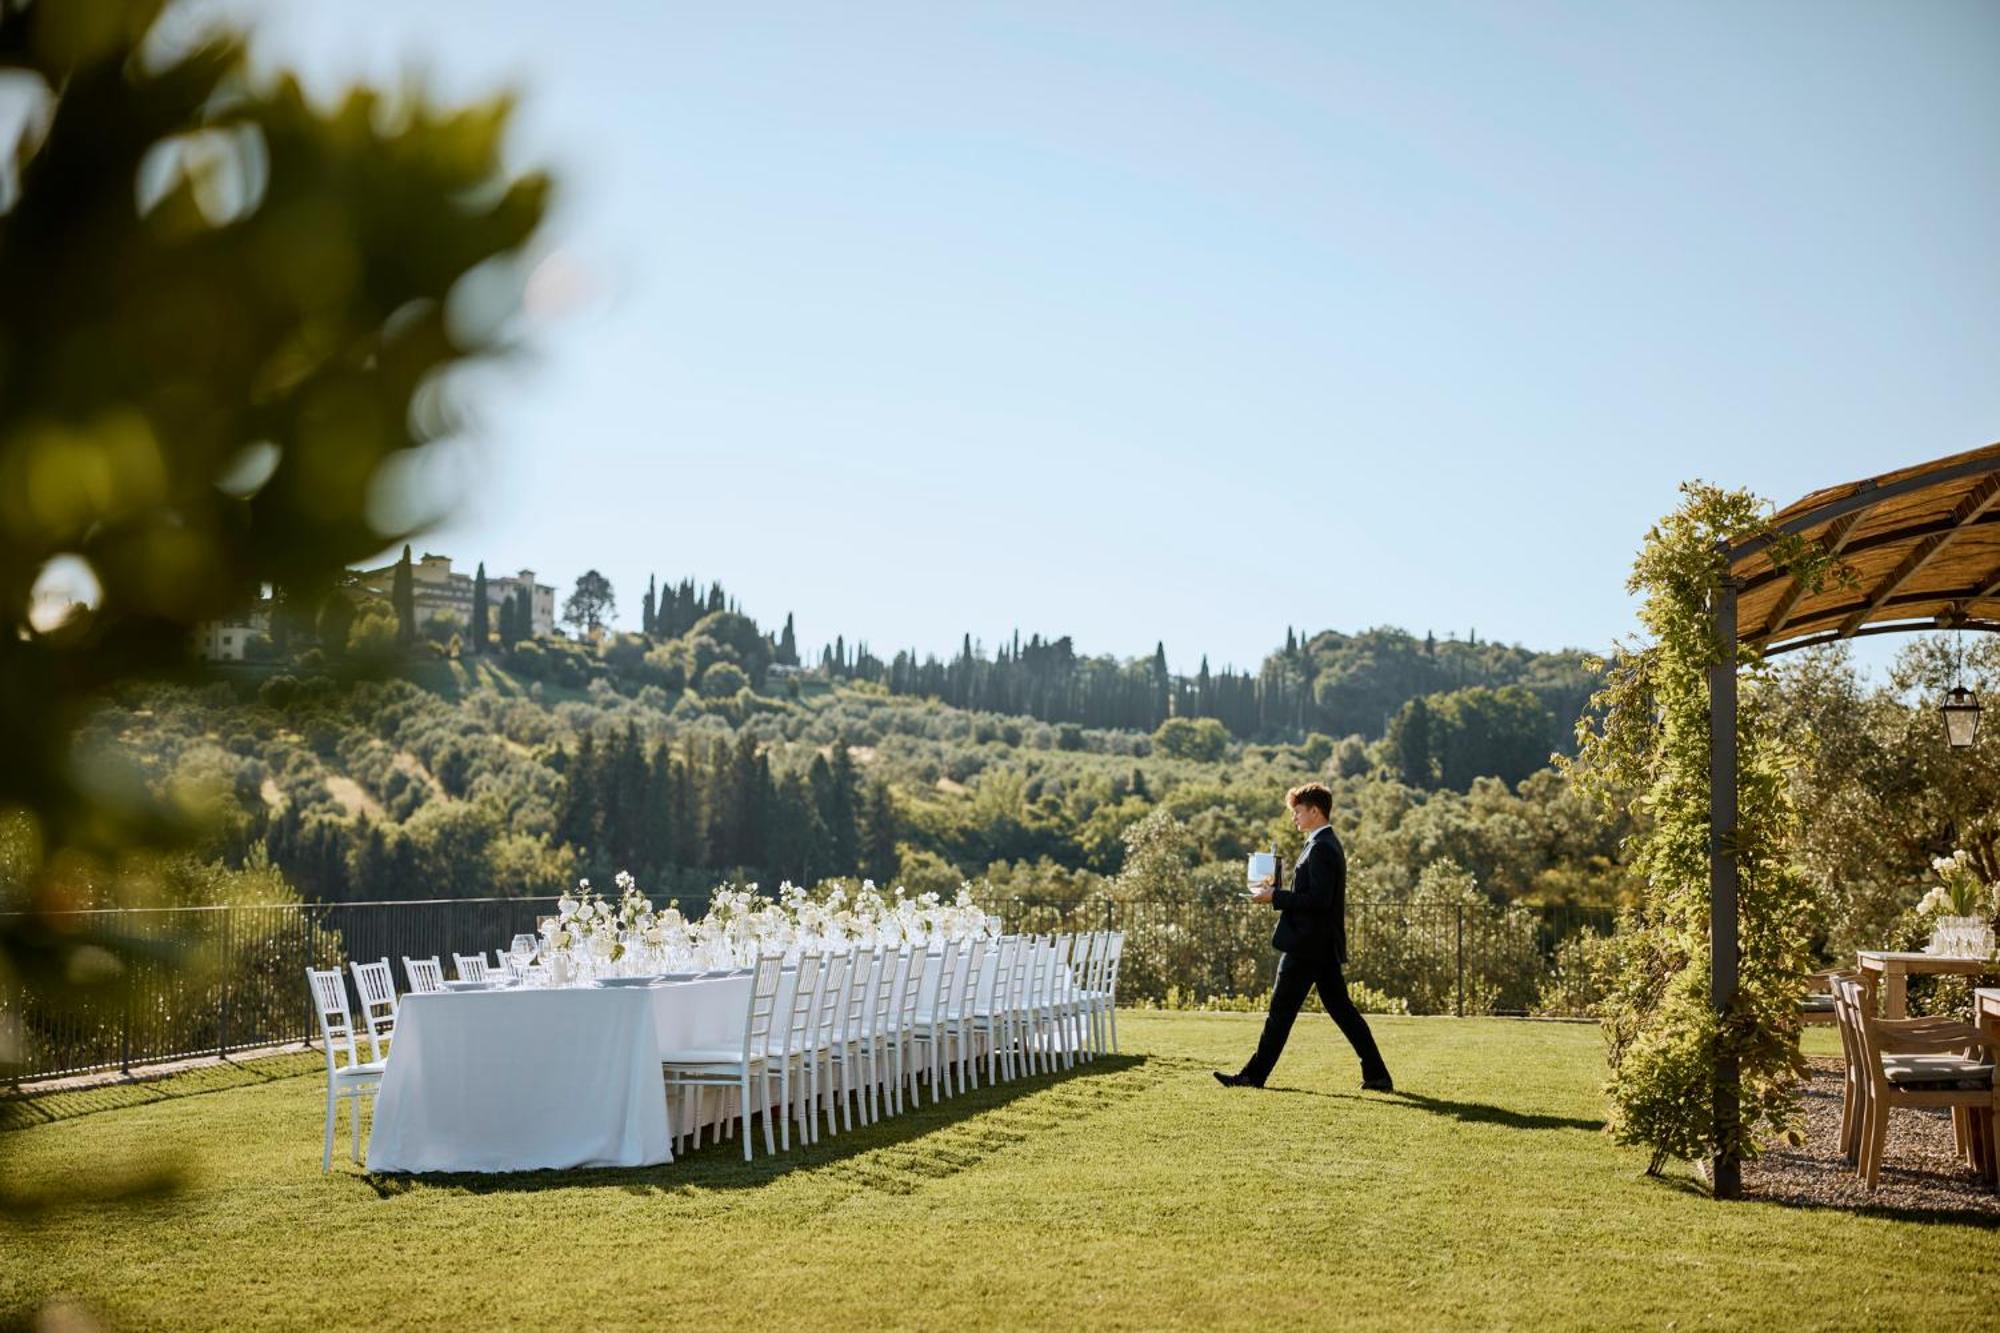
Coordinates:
1923 1063
1819 996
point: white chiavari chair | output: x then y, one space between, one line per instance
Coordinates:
376 986
1082 956
790 1051
350 1081
826 1036
1093 992
965 994
854 1031
471 966
881 1024
1114 951
1031 1007
1062 1001
932 1020
903 1034
694 1069
989 1014
989 1009
426 974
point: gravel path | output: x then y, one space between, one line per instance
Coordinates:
1920 1172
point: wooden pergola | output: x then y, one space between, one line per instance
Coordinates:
1922 546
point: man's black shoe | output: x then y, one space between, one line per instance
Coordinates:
1382 1084
1234 1080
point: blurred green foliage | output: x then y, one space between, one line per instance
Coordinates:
227 322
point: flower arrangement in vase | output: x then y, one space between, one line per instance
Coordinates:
1962 907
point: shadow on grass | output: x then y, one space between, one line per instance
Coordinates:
1471 1113
721 1166
29 1108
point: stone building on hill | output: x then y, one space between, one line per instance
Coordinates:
438 590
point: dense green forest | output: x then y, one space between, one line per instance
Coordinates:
705 752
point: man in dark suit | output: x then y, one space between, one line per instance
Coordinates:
1312 942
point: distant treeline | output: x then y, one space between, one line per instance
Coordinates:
1333 683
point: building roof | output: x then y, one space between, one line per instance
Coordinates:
1917 549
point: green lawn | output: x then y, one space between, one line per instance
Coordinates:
1137 1194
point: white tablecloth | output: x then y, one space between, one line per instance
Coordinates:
521 1079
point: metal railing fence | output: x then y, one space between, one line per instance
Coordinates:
237 981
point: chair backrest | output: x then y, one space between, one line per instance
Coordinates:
854 1004
1038 971
1846 1004
886 962
1092 971
833 996
425 974
336 1023
471 966
376 986
805 995
1004 950
763 1003
500 960
1114 951
913 985
943 975
1018 994
970 964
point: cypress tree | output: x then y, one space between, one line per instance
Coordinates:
877 833
788 644
648 609
479 613
838 805
578 824
403 597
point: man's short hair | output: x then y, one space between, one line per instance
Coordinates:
1314 794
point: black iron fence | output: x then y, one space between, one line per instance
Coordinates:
236 976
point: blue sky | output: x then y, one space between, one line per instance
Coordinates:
1189 322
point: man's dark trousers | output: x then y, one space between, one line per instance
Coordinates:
1297 975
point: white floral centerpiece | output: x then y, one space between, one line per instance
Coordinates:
584 926
1962 907
741 924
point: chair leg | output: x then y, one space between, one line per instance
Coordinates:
847 1056
743 1109
354 1128
1112 1015
1878 1140
332 1108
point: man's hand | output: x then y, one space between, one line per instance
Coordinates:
1263 892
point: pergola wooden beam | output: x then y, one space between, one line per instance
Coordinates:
1853 546
1976 502
1834 541
1986 592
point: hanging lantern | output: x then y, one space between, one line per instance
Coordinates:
1961 717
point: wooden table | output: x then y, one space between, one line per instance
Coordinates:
1896 969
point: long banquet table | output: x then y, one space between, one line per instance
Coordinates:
524 1078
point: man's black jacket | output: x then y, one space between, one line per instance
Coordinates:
1312 912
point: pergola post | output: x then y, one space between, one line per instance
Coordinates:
1725 1171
